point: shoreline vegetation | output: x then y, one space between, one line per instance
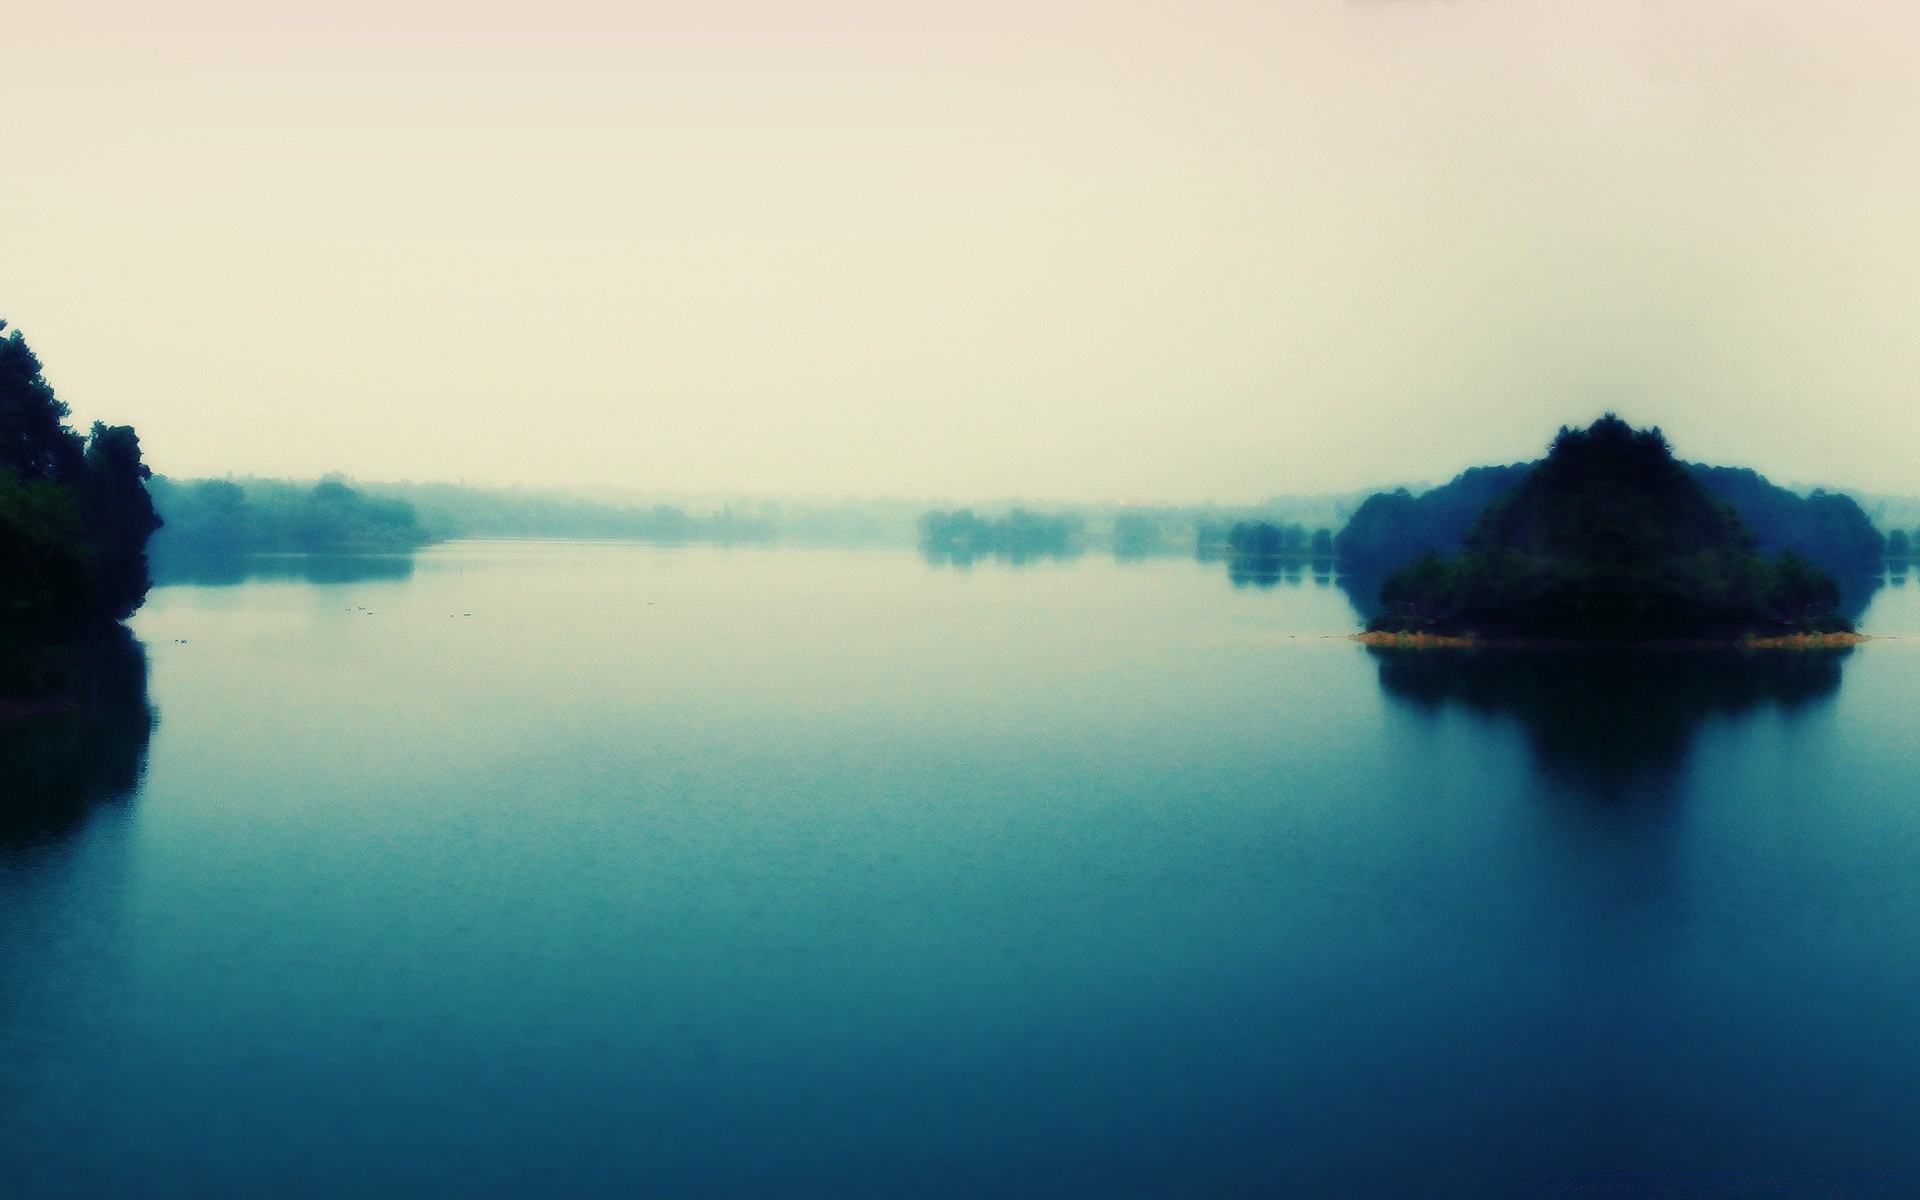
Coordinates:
75 519
1363 535
1608 538
1382 640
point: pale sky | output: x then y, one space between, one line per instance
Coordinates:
1111 249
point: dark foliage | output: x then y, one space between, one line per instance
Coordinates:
1827 529
35 443
1610 538
1391 529
75 514
961 537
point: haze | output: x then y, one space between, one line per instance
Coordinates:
1204 250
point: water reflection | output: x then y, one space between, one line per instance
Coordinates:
57 768
1267 571
1857 593
1610 721
228 570
963 537
1363 593
1270 570
1012 556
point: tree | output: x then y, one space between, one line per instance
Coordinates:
75 514
120 518
34 440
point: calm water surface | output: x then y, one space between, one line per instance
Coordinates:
537 869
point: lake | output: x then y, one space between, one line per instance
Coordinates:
537 869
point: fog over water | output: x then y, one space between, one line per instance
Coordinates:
1070 250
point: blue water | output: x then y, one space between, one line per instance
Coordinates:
615 870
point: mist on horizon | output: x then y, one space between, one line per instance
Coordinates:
1066 252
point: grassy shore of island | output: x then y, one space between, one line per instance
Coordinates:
1436 641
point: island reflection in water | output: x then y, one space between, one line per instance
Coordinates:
59 769
1610 722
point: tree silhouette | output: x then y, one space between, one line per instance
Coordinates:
75 514
1610 538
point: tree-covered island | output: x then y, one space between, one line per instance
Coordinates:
75 517
1610 539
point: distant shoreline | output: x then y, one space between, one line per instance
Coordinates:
1438 641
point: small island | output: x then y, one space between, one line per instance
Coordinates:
1610 539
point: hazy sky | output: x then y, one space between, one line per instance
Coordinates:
1108 249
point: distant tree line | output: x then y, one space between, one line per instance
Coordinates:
1262 539
452 510
1261 553
75 514
962 536
220 516
1139 535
